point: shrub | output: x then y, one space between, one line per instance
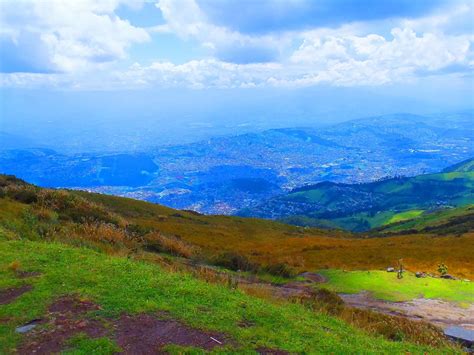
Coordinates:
23 195
103 232
74 208
279 269
45 215
137 230
390 327
8 180
393 327
442 269
322 299
233 261
169 244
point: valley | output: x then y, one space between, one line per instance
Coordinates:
223 175
360 207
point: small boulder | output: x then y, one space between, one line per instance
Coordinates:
28 326
390 269
448 277
420 274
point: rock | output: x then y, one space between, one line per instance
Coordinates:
390 269
460 334
312 277
420 274
28 326
448 277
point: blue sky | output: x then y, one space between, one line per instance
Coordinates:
421 49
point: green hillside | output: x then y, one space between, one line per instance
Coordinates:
116 287
463 167
361 207
442 222
101 274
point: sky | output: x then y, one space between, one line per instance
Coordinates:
328 56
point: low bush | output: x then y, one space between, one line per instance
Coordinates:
390 327
74 208
233 261
26 195
103 233
324 300
279 269
158 242
393 327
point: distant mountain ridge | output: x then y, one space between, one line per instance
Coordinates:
360 207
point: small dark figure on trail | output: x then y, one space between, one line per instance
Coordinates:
400 269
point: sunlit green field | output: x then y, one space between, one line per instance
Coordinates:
386 285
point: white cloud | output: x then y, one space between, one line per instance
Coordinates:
88 33
70 35
323 57
372 59
185 19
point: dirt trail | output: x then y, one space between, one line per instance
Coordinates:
440 313
9 295
136 334
143 334
65 318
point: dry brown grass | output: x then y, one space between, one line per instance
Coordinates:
14 266
266 242
394 327
389 326
169 244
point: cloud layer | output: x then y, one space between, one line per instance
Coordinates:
266 43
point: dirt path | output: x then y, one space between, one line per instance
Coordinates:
136 334
9 295
440 313
437 312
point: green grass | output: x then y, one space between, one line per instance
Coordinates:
432 219
403 216
385 285
123 285
83 345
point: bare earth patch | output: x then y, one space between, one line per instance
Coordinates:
27 274
146 334
10 294
437 312
266 351
137 334
65 318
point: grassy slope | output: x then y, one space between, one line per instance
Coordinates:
122 285
436 221
261 240
386 286
306 249
464 166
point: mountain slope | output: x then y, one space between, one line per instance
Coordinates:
360 207
87 300
442 222
462 167
121 226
